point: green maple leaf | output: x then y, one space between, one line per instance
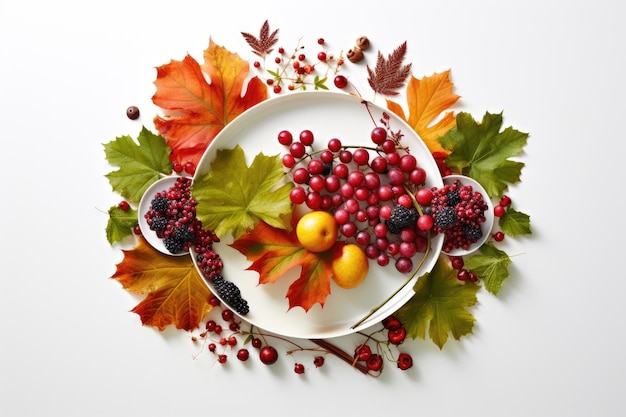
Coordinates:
482 151
515 223
233 197
140 163
490 264
120 224
439 306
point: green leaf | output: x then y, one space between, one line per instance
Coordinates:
121 223
514 223
439 306
140 163
320 83
232 198
491 264
482 151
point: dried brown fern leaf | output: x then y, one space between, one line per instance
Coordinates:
389 74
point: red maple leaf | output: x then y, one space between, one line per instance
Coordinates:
264 44
196 110
274 251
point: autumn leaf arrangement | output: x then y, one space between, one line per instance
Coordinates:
195 110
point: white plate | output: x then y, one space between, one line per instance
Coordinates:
144 205
327 115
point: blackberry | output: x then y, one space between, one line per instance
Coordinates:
473 233
230 294
400 218
183 234
445 218
453 198
158 224
174 244
160 204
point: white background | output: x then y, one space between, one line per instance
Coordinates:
551 344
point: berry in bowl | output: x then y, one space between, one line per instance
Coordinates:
463 212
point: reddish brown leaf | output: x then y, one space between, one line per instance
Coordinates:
274 252
389 74
264 44
175 292
196 110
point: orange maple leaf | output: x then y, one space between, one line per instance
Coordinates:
175 292
275 251
427 99
196 110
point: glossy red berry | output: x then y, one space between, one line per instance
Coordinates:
499 211
362 352
256 342
318 361
374 362
378 135
341 82
298 368
391 323
397 335
498 236
243 354
457 262
285 137
123 205
505 201
405 361
222 358
268 355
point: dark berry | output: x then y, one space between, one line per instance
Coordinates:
445 218
400 218
474 233
160 204
132 112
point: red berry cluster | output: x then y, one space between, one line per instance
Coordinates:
458 212
298 69
499 211
374 360
368 189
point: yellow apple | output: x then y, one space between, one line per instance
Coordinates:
317 231
350 266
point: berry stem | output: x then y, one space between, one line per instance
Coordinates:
404 284
344 356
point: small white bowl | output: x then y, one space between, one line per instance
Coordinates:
144 205
486 226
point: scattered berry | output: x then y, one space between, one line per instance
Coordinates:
132 112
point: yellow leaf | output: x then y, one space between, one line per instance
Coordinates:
427 99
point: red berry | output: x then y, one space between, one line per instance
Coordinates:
391 323
424 196
137 230
505 201
397 335
499 211
362 352
257 64
320 41
457 262
374 362
298 368
256 342
123 205
405 361
227 315
214 301
379 135
243 354
277 89
334 145
341 82
178 167
425 222
321 56
307 137
318 361
285 137
222 358
268 355
498 236
212 347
